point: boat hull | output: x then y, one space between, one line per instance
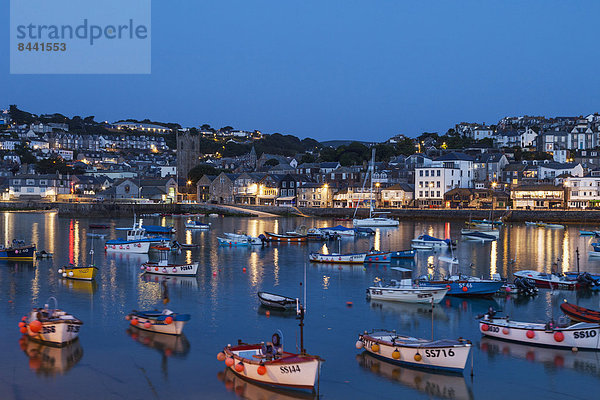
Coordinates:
84 274
158 324
404 254
26 253
465 288
581 335
407 295
292 371
275 301
358 258
375 222
197 226
128 247
273 237
170 269
428 355
233 242
581 314
377 258
547 282
56 333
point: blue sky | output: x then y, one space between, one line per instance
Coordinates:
346 69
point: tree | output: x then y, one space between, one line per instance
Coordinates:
200 170
25 154
51 165
307 158
271 162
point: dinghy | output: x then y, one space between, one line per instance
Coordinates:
276 301
232 242
254 241
587 233
555 226
480 236
269 364
581 335
352 258
549 280
340 231
580 314
376 257
445 354
50 325
78 272
166 322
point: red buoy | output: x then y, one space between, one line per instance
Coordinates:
23 330
464 289
261 370
169 320
485 327
530 334
239 367
21 324
559 336
35 326
244 269
147 325
229 361
505 331
221 356
134 321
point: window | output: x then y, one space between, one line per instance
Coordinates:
438 183
283 184
420 193
438 172
292 184
29 190
16 181
438 193
420 174
426 172
30 182
43 182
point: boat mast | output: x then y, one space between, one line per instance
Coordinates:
372 168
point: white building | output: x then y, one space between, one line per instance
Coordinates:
551 170
582 192
168 170
482 132
452 170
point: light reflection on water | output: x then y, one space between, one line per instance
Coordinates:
222 302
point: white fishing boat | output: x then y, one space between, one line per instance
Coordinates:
166 321
404 290
445 354
51 325
582 335
254 241
547 280
163 267
339 230
136 241
374 220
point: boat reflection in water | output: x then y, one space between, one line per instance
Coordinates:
50 360
189 282
437 385
167 345
470 306
272 312
409 311
87 287
253 391
586 362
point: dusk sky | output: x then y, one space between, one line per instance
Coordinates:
364 70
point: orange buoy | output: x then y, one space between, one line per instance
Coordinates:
559 336
396 354
21 324
244 269
147 325
530 334
24 318
485 327
229 361
35 326
221 356
239 367
505 331
375 348
169 320
127 317
261 370
349 303
23 330
268 313
134 321
418 357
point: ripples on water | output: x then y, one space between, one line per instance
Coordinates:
113 361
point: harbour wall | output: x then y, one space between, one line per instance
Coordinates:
106 209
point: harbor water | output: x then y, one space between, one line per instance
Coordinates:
112 360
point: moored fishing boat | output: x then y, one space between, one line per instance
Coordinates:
581 335
339 230
254 241
405 291
162 267
78 272
279 302
192 224
445 354
550 280
269 364
136 241
50 325
493 232
580 314
166 321
587 233
464 286
286 238
17 251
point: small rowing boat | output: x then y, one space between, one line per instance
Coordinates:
276 301
50 325
166 322
337 258
426 242
254 241
191 224
581 335
580 314
403 254
555 226
232 242
445 354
